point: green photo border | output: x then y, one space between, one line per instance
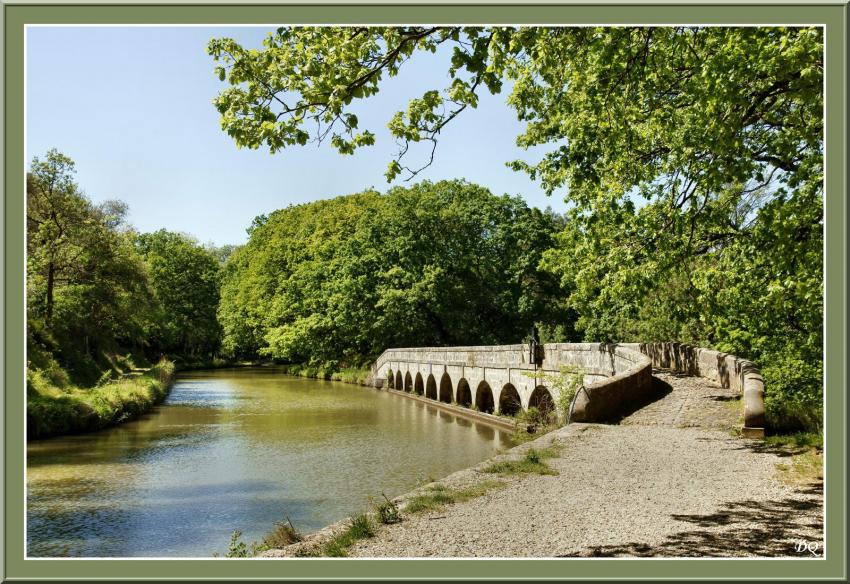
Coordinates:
832 15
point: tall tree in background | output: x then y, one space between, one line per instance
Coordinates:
185 277
692 159
96 288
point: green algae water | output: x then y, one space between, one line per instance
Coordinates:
237 449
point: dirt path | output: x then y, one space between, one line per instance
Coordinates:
665 482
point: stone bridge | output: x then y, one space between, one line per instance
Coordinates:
617 377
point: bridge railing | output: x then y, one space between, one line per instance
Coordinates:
624 369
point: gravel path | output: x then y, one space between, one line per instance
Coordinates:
624 491
690 402
655 485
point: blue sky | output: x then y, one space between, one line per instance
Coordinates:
133 108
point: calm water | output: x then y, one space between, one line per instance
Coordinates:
237 449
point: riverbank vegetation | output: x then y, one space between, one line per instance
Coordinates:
691 159
437 496
355 375
57 407
533 462
104 303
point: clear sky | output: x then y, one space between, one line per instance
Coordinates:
132 106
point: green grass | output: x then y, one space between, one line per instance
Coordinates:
54 409
804 467
796 440
354 375
804 456
438 496
531 463
477 490
360 527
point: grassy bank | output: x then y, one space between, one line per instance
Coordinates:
55 407
354 375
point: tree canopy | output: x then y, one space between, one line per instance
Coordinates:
87 288
338 281
185 277
691 159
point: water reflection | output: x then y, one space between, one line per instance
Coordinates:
236 449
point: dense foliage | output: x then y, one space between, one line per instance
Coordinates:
184 276
336 282
693 159
87 289
103 300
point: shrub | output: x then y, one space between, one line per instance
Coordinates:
237 547
283 534
387 511
793 394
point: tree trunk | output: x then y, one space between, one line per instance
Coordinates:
50 278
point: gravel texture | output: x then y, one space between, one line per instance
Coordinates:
658 484
690 402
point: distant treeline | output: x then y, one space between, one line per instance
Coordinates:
330 284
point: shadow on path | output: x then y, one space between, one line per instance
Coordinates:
660 390
739 528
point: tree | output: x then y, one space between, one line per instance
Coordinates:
58 224
689 155
221 252
607 91
87 288
338 281
185 276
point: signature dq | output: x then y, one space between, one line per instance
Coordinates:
813 547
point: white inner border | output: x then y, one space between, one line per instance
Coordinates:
353 24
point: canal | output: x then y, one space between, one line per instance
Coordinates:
237 449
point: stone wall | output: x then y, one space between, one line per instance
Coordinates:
616 378
726 370
628 387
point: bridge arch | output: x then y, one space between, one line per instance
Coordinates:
464 394
408 382
542 400
510 403
399 383
446 388
390 379
484 398
431 387
418 385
